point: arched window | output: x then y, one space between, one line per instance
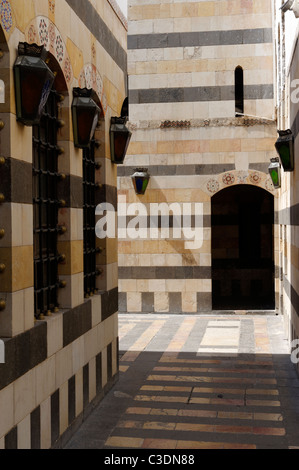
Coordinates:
239 90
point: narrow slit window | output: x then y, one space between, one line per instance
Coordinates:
239 90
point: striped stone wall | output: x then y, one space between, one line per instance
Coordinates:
181 61
55 374
288 201
59 364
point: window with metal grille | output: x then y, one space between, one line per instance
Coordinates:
45 207
89 208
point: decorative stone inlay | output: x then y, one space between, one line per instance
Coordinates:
250 177
43 32
52 35
228 179
51 6
32 35
213 186
242 177
212 123
6 15
255 178
59 48
175 124
91 78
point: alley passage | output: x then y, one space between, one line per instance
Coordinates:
198 382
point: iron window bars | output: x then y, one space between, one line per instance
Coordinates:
89 207
45 207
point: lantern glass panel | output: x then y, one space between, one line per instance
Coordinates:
120 143
120 138
139 185
285 155
140 181
86 115
33 83
274 176
285 149
275 173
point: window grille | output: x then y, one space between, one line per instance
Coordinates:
45 207
89 208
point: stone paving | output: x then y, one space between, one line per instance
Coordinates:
198 382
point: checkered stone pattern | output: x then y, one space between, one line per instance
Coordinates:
219 384
41 405
181 63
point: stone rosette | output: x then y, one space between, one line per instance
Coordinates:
233 178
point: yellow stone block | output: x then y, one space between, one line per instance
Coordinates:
225 145
143 148
23 11
73 252
184 10
187 66
18 273
114 97
169 66
206 9
76 57
145 67
135 12
265 144
150 11
111 251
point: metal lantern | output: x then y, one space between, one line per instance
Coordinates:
86 114
285 149
120 137
275 172
33 82
140 180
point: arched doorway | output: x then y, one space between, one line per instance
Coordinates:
243 249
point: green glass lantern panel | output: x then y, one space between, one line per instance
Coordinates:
145 185
285 149
274 177
275 172
285 156
140 180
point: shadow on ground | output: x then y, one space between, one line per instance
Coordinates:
186 400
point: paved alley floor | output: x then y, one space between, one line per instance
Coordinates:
198 382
